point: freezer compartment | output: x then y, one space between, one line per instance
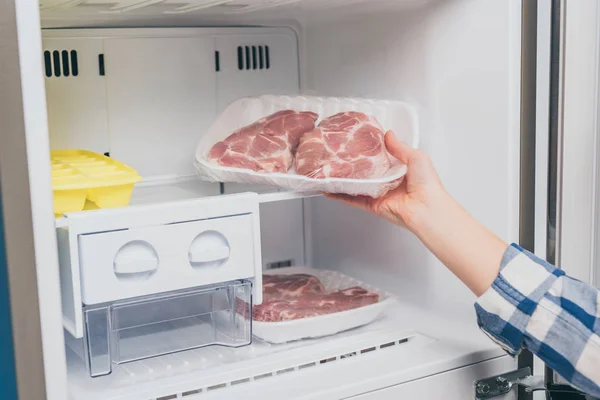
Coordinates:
150 326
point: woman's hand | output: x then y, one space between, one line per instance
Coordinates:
413 200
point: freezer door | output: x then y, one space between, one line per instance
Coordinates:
573 228
575 207
28 261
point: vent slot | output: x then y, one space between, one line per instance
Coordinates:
240 52
215 387
261 57
101 69
247 57
48 63
65 63
280 264
169 397
74 63
285 371
60 63
56 63
368 350
267 57
190 393
263 376
253 57
327 360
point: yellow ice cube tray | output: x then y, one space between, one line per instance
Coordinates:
78 175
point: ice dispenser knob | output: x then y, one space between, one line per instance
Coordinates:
135 260
209 249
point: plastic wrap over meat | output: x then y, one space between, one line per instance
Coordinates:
396 116
345 145
268 145
313 305
302 302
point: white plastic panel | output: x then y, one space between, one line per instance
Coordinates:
160 96
153 260
278 58
161 90
282 232
77 115
241 75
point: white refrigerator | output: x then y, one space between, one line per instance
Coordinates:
506 93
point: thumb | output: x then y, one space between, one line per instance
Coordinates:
397 148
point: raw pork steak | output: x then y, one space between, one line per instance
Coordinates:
290 286
313 305
288 297
268 145
345 145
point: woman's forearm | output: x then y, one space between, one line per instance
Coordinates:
470 250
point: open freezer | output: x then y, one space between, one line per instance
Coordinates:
141 81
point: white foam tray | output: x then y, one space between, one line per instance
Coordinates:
392 115
324 325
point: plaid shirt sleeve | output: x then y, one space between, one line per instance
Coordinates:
534 305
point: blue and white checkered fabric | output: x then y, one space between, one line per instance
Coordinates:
534 305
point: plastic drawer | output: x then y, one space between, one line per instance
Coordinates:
151 326
156 259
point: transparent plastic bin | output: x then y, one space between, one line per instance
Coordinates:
155 325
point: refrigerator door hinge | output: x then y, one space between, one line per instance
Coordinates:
501 384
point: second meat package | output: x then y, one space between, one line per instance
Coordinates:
302 302
325 144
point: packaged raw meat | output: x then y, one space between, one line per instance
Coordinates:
267 145
306 309
396 116
344 145
313 304
290 286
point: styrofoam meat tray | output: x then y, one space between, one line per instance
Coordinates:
323 325
392 115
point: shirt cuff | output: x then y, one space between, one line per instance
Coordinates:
504 310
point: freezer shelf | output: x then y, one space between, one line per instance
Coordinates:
168 191
150 326
403 345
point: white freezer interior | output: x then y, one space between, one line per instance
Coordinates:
457 61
